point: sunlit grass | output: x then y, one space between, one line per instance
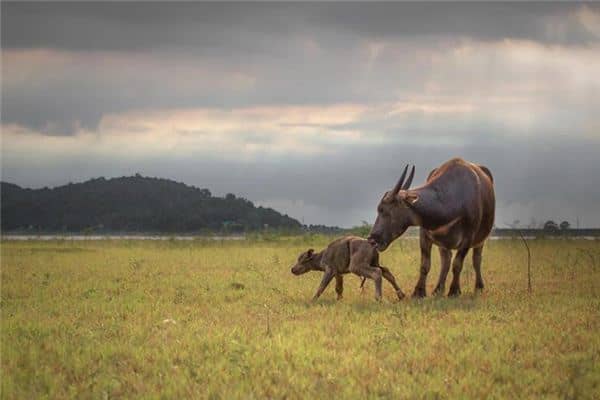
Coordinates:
104 319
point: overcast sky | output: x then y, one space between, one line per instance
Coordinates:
312 109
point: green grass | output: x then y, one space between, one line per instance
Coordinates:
228 320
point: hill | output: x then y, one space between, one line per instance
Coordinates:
132 204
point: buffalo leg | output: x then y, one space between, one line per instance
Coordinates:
387 275
327 277
457 265
362 284
446 258
368 271
425 244
339 286
477 251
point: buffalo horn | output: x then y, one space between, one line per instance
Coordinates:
410 179
400 181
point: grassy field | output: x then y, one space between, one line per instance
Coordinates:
125 319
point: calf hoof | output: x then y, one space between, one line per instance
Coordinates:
479 287
438 291
454 291
419 292
340 297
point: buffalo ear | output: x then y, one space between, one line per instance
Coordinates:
408 197
310 252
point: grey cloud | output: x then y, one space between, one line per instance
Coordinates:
83 92
139 25
199 28
270 43
487 21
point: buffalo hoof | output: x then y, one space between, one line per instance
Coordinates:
438 291
419 292
454 291
400 294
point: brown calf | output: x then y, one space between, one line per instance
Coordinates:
342 256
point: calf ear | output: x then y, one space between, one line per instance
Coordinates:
310 252
408 197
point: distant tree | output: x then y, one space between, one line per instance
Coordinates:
565 225
362 230
551 227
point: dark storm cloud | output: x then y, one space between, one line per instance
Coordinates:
487 21
137 26
208 26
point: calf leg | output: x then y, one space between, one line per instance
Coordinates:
446 258
339 286
327 277
425 243
457 265
387 275
477 251
367 271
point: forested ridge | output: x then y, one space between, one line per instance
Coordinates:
133 204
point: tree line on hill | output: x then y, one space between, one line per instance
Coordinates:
133 204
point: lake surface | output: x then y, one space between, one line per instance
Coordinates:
181 237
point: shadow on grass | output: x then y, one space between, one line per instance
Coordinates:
427 305
469 301
466 302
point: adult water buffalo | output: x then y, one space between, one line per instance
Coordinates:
455 210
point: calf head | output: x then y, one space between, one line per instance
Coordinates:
307 261
394 213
